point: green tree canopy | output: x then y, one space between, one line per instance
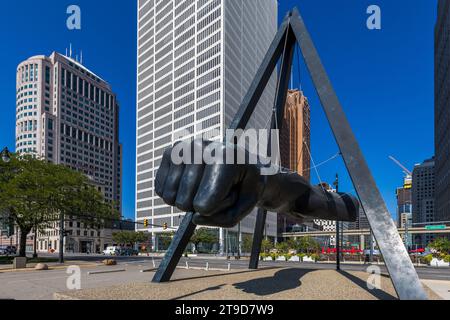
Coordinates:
441 245
34 192
205 236
129 237
266 245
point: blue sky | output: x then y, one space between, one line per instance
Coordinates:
384 78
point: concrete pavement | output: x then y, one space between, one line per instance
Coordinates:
41 285
264 284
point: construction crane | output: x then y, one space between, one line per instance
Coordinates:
408 173
405 170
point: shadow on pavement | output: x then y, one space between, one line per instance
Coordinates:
283 280
223 274
377 293
201 291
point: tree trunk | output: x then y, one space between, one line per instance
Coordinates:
35 243
23 241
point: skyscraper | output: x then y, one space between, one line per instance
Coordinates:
295 135
196 61
295 143
404 206
442 111
68 115
423 197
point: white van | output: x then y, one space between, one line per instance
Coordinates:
111 251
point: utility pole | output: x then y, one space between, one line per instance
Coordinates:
338 234
239 242
61 238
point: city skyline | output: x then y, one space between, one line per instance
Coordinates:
412 97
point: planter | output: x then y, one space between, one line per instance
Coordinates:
281 258
294 259
268 259
308 259
439 263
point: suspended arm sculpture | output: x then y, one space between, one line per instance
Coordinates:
221 195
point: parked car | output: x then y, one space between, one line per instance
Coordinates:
8 250
375 252
112 251
128 252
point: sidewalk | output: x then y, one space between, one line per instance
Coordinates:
440 287
51 265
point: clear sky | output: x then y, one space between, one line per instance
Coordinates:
384 78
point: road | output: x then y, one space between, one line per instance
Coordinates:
37 285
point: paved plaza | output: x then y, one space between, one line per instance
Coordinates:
275 280
265 284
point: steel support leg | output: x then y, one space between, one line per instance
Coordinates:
402 272
258 238
176 249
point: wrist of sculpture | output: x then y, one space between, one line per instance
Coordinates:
292 194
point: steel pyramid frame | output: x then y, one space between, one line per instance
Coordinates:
291 32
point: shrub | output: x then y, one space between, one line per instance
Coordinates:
447 258
428 258
301 256
288 256
315 257
274 256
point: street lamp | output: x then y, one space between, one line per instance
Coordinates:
6 156
338 234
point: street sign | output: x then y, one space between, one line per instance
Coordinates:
437 227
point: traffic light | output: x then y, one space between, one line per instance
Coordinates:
146 223
165 226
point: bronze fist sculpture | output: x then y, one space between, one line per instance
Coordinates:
222 194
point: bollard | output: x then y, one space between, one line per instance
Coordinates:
229 267
153 261
207 266
187 265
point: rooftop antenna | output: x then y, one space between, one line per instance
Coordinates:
81 56
70 51
66 52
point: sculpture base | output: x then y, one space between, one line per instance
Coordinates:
264 284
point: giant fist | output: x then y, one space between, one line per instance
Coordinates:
222 194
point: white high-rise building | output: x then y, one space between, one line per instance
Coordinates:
68 115
196 61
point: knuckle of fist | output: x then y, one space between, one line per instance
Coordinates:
203 205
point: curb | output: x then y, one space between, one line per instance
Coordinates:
31 269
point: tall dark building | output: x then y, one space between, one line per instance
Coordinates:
295 141
442 111
423 197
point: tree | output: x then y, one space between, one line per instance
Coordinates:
282 247
204 236
441 245
129 238
247 243
34 193
165 239
266 245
